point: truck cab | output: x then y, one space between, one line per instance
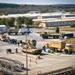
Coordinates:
60 46
68 48
2 29
24 30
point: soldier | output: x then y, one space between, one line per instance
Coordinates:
16 50
44 48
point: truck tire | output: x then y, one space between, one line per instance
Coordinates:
66 51
16 33
46 37
22 33
57 37
54 37
9 33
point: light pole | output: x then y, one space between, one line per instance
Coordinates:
26 57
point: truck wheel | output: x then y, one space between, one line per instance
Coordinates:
57 37
54 37
15 33
22 33
9 33
46 37
66 51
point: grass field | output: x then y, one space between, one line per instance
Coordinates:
64 28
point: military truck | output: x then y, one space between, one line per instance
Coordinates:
60 46
22 31
30 47
47 35
12 30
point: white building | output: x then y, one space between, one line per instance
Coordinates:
56 20
47 19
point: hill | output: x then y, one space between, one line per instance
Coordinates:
8 8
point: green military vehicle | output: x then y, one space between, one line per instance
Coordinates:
47 35
22 30
12 30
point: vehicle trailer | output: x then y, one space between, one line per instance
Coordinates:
70 35
22 31
46 35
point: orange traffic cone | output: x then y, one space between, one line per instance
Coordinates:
36 62
30 60
29 64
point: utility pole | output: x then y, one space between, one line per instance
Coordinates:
26 57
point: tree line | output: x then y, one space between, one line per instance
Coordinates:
5 5
16 22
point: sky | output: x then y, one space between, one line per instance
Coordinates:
39 2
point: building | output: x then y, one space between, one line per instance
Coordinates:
47 19
56 20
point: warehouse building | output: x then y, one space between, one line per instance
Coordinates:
63 20
47 19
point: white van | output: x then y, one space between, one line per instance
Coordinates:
2 29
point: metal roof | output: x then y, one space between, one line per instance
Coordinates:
2 26
35 15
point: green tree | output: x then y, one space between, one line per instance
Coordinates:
72 25
19 22
28 21
23 18
57 30
10 22
3 21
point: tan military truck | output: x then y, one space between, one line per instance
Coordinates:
71 41
2 37
59 46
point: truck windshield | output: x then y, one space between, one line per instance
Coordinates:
70 46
